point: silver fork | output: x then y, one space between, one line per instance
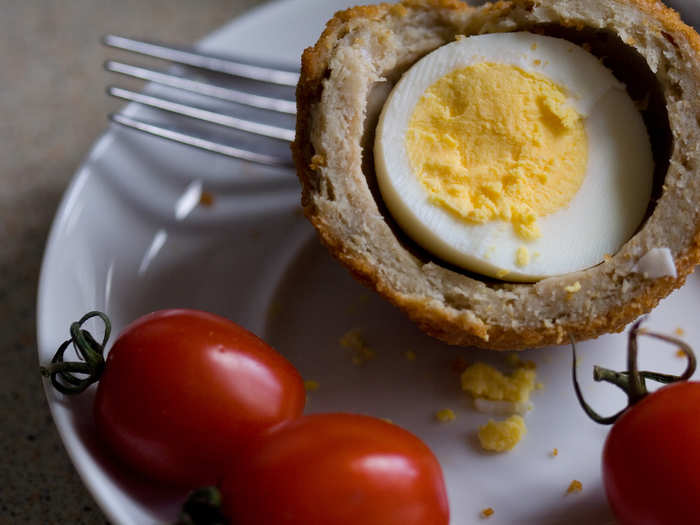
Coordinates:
276 83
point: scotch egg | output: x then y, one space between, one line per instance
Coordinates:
514 155
578 254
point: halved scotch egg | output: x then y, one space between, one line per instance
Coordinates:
508 197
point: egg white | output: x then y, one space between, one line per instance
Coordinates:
603 214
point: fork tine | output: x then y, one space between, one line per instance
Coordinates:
203 114
193 58
201 143
202 88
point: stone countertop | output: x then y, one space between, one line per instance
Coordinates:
52 107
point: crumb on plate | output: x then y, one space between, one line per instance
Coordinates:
484 381
574 486
445 415
501 436
361 356
352 339
361 352
513 360
206 199
410 355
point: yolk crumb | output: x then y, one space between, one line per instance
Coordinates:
352 339
574 486
522 256
555 452
513 360
501 436
487 512
361 352
445 415
680 353
482 380
363 355
679 332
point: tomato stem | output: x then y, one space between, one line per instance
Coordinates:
637 388
202 507
632 381
73 377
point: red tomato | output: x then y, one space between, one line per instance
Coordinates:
336 469
184 389
651 459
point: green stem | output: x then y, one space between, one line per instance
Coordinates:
609 420
73 377
202 507
637 389
632 381
689 355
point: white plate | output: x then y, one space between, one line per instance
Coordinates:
125 242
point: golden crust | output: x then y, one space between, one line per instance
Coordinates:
449 324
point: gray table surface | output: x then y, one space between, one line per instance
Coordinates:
52 106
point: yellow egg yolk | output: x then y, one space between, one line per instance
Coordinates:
501 436
484 381
494 142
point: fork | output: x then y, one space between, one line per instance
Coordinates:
276 83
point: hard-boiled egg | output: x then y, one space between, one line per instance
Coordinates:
514 155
